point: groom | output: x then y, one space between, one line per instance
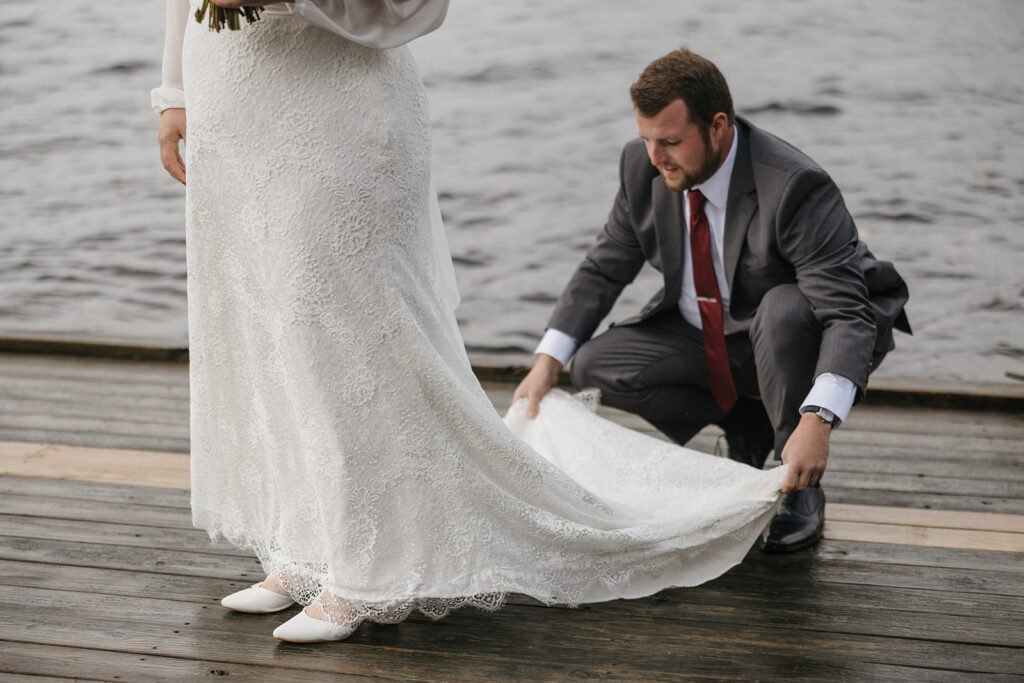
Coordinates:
772 314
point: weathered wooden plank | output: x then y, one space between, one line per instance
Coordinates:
920 556
824 606
82 531
135 572
832 567
959 470
38 661
134 582
96 511
924 500
357 656
43 422
787 599
31 678
843 588
86 490
123 384
864 455
71 369
924 484
105 375
909 453
817 611
131 409
918 421
128 666
112 403
464 634
641 642
805 581
156 560
885 440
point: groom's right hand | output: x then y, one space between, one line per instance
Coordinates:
542 377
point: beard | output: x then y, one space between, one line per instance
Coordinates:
699 175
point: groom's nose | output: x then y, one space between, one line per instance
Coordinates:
656 153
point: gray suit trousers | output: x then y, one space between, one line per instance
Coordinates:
656 369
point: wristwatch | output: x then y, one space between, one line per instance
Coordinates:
824 414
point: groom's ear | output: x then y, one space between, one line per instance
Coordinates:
719 125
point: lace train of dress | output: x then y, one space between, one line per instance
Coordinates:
337 427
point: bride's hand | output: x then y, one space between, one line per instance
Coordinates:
542 378
172 129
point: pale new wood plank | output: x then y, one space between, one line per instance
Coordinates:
98 439
41 459
905 534
948 519
109 465
17 449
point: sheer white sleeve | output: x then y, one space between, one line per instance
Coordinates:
374 23
171 93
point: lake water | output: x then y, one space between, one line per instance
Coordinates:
915 108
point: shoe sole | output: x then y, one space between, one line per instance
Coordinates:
791 548
249 611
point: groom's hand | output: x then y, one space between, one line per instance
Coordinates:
541 378
806 453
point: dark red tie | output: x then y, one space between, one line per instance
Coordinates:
710 302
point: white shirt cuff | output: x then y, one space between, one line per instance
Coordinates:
558 345
166 98
832 392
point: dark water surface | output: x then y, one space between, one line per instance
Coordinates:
916 109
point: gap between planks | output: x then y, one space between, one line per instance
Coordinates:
865 523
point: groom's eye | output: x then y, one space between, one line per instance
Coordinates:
671 143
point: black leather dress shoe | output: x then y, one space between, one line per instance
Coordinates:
798 523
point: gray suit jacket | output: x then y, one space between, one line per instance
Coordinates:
785 222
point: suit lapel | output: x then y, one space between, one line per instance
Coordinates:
668 227
740 207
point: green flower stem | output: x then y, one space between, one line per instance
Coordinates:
219 17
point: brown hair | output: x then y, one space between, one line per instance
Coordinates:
683 74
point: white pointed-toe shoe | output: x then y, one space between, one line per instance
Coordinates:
303 628
257 600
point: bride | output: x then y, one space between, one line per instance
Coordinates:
337 428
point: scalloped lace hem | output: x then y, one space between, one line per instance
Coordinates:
567 585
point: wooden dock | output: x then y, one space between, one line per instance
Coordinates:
102 577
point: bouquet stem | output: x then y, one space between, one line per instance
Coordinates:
219 17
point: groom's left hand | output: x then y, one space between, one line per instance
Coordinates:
806 453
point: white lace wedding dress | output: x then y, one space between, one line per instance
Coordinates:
337 427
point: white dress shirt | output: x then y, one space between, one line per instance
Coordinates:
830 391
